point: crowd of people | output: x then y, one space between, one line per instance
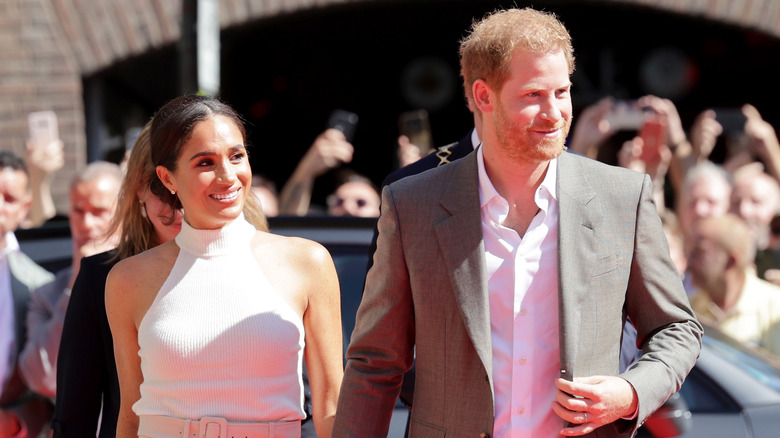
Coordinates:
182 315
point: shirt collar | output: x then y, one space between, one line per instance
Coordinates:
11 244
475 141
547 189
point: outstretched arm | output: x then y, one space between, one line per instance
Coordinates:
328 151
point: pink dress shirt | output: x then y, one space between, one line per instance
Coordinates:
523 290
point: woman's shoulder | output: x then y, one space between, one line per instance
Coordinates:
142 264
297 250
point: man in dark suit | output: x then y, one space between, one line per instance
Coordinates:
508 274
22 413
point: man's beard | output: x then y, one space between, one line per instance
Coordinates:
517 141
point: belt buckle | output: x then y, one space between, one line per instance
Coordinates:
204 431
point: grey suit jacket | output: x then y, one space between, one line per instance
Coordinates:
25 275
427 291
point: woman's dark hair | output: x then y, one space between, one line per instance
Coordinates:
172 127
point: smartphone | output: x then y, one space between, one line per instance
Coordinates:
416 126
731 119
653 135
43 127
626 115
344 121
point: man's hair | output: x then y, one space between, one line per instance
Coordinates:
705 170
96 170
9 160
486 53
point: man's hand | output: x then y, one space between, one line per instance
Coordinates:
408 152
704 134
329 150
667 112
591 402
592 128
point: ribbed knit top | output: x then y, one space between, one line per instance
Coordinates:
218 340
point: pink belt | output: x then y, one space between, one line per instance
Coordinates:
158 426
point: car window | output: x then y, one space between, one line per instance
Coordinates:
761 366
702 395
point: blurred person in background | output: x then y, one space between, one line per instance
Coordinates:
22 413
756 199
93 193
355 196
329 151
728 293
705 192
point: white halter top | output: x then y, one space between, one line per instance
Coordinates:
218 340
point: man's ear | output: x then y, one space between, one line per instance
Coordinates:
165 176
483 96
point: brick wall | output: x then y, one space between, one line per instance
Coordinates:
46 46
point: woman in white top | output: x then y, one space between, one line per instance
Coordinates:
210 329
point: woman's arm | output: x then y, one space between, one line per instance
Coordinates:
322 321
121 308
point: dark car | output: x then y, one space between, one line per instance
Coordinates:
732 392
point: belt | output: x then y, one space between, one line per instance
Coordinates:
159 426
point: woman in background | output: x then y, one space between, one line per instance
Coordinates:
209 328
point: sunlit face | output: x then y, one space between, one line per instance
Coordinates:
532 111
14 201
707 197
158 214
212 174
754 200
356 199
92 206
707 262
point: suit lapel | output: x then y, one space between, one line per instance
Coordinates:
578 219
460 238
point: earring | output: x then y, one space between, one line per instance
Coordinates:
143 209
173 192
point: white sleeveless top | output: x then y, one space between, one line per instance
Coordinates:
218 340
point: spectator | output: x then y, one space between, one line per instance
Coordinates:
705 192
729 294
756 199
21 413
355 196
329 150
93 195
